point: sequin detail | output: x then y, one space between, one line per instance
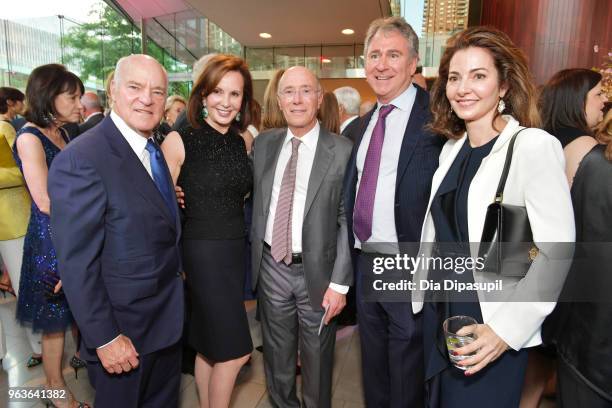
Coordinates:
216 177
40 263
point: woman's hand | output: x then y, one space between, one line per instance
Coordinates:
488 347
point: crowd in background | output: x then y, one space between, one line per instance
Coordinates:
480 101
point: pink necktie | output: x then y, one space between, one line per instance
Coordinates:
281 232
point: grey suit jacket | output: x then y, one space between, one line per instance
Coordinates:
325 247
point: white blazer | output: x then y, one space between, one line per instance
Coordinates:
537 181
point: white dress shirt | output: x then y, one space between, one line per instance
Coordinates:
346 122
383 218
138 144
306 155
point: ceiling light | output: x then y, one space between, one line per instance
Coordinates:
325 60
348 31
265 35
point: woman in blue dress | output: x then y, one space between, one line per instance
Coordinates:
53 99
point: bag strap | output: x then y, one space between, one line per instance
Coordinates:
499 195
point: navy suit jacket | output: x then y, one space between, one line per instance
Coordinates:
417 163
117 244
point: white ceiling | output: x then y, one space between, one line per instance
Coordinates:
291 22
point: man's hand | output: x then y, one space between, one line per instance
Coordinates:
336 302
119 356
180 196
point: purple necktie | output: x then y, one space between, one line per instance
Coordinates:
364 204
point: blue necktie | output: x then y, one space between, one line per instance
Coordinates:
160 175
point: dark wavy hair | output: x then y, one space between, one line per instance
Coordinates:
214 70
511 64
9 94
44 85
563 99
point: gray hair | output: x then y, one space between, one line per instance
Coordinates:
90 100
198 66
393 24
349 98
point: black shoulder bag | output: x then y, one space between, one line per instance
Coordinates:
507 242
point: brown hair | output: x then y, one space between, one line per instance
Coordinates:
511 64
563 99
213 72
45 83
603 134
272 115
329 113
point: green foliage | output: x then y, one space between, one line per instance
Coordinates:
97 47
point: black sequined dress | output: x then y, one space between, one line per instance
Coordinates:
216 176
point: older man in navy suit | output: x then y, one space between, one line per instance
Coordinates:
116 231
387 187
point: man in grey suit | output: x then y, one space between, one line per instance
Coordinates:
300 251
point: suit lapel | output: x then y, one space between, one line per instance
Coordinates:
411 136
272 153
132 169
324 156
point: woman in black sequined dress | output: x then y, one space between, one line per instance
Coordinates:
208 160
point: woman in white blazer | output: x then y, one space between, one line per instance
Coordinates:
482 97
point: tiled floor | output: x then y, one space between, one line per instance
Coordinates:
250 391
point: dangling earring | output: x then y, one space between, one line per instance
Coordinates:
238 117
501 106
204 112
49 118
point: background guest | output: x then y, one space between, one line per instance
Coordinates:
329 113
584 364
365 107
93 113
272 115
53 99
252 130
482 98
208 159
14 204
348 103
572 104
175 104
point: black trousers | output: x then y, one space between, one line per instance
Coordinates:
155 383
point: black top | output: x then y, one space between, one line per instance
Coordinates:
216 176
566 135
581 330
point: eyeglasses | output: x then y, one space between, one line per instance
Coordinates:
305 93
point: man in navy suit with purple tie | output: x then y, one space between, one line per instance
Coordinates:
116 231
387 187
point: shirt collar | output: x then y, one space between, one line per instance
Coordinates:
403 101
346 122
93 114
309 139
135 140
